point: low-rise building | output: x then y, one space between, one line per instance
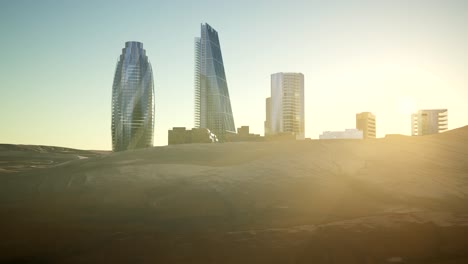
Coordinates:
179 135
243 134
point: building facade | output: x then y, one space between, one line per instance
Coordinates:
346 134
212 103
366 123
427 122
285 107
132 100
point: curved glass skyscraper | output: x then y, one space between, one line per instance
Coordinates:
212 102
132 100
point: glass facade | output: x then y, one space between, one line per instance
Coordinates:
286 106
212 103
132 100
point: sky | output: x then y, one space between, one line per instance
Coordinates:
58 58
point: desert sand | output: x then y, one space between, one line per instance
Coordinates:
392 200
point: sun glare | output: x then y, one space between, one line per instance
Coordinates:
407 105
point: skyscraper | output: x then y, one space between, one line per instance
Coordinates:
365 122
212 103
285 108
132 100
426 122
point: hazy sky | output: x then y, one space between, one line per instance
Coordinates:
57 61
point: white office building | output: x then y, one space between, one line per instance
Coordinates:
285 107
426 122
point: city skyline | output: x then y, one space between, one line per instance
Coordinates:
401 56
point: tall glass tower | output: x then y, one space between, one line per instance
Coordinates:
285 108
212 104
132 100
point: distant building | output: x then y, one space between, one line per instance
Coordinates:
132 100
285 107
366 123
347 134
243 131
267 116
179 135
243 134
212 103
426 122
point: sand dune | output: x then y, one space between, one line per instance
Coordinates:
17 158
393 200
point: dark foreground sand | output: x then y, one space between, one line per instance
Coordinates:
393 200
